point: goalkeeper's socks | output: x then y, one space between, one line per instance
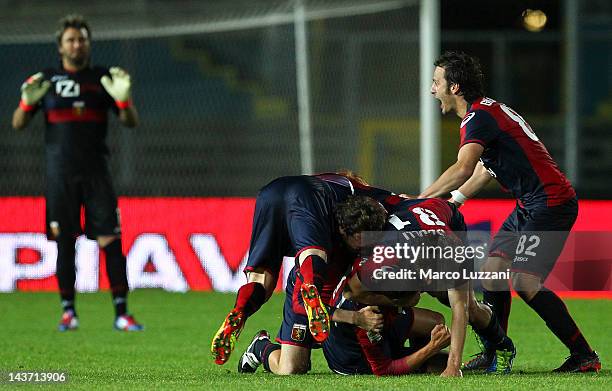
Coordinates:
68 305
250 297
117 275
65 270
120 304
554 312
500 302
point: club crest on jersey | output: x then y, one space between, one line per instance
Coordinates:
467 119
298 332
78 107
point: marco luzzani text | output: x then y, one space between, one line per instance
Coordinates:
407 254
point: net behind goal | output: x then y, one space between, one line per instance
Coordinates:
216 87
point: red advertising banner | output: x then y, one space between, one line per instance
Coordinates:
181 244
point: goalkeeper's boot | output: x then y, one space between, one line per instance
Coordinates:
127 323
225 339
249 362
581 363
69 321
483 360
318 318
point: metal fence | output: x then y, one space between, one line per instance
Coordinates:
215 85
219 108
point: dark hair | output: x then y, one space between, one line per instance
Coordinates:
352 175
360 213
71 21
464 71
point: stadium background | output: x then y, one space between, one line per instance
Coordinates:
216 87
215 83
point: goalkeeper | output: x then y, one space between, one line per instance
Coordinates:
75 99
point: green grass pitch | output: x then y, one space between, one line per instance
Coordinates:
173 351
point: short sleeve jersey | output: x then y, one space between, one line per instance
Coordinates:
514 155
425 214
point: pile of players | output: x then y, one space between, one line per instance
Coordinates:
363 329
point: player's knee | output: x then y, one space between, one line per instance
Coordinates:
526 286
491 265
494 264
104 241
526 295
54 230
265 279
517 284
293 368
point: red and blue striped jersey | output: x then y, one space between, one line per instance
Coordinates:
514 155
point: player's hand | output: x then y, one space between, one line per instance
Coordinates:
118 85
34 88
440 337
452 372
370 319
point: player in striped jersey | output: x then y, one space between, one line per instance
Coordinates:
348 349
496 142
294 217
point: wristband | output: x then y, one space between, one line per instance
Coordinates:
123 105
458 196
26 107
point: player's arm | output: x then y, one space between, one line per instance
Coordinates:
119 87
479 179
21 118
367 318
457 174
458 298
129 116
383 365
356 291
32 91
440 338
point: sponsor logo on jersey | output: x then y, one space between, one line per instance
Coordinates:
487 102
67 88
55 78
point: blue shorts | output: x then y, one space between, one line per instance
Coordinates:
345 355
534 238
292 213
